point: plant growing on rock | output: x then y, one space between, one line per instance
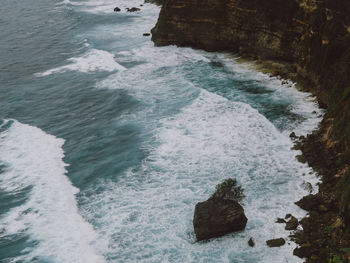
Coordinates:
229 189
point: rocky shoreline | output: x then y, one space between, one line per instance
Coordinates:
307 41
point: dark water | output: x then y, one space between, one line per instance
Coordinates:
107 142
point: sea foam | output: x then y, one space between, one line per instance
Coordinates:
50 216
91 61
147 215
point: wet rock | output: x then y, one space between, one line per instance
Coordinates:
288 216
292 135
221 213
216 217
133 9
117 9
146 34
309 202
280 220
251 242
292 224
275 242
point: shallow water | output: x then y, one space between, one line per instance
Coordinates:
107 142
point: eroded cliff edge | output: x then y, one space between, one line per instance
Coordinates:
312 38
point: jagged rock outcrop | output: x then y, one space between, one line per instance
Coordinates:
252 27
217 217
221 213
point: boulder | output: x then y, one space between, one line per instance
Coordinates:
251 242
275 242
117 9
217 217
292 224
221 213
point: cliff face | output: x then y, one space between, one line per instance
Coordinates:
313 35
252 27
313 38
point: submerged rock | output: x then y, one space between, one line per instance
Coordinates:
251 242
133 9
221 213
146 34
278 242
117 9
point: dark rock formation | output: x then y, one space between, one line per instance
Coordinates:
251 242
117 9
221 213
278 242
146 34
280 221
293 136
216 217
292 224
302 252
288 216
133 9
309 202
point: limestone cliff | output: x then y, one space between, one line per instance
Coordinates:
313 38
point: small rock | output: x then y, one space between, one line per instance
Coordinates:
292 224
251 242
146 34
117 9
288 216
275 242
133 9
292 135
280 220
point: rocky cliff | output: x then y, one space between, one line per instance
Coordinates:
312 37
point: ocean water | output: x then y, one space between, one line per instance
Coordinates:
107 142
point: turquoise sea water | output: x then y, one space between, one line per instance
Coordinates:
107 142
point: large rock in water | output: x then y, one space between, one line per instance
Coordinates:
218 216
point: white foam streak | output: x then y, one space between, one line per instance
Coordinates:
50 214
303 103
93 60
